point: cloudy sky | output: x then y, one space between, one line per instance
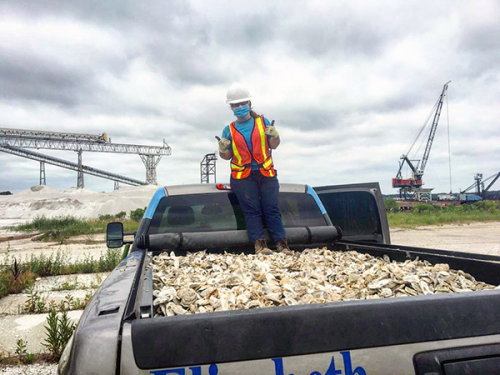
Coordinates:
349 84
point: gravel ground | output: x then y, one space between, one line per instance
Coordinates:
38 369
480 238
475 237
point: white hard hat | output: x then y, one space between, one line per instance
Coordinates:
237 93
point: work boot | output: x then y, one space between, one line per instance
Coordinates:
261 247
282 247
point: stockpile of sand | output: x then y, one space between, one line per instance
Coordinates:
85 203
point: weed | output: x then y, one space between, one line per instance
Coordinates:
68 286
14 278
36 302
96 283
65 304
21 347
5 284
58 263
29 358
88 297
59 331
22 352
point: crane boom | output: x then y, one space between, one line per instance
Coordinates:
412 187
432 133
495 178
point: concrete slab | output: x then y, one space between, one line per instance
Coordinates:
29 328
82 281
23 248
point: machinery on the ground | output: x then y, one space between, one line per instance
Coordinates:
411 188
16 141
479 184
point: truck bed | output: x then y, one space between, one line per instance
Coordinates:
229 336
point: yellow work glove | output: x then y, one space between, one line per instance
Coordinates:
272 132
224 144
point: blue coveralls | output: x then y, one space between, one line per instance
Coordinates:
257 194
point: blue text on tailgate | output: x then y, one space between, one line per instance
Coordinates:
279 369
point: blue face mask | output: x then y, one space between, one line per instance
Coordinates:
242 112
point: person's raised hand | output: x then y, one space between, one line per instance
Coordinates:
224 144
272 132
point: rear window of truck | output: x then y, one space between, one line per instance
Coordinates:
220 212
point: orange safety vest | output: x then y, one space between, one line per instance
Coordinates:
241 163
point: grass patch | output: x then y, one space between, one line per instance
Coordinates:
60 229
426 214
7 359
14 280
18 276
60 263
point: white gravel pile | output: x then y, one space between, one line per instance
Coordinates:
37 369
85 203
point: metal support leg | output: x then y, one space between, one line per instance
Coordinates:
117 185
79 182
43 181
151 161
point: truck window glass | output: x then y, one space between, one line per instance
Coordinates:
219 212
355 212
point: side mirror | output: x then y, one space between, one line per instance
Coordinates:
114 235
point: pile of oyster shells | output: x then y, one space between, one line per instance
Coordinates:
204 282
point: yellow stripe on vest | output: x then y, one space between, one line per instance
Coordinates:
262 137
237 167
235 150
267 163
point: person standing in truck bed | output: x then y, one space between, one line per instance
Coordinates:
247 142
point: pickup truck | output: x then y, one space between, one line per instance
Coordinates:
457 333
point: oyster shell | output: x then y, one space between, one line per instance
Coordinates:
205 282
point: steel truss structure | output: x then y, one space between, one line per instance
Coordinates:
53 144
41 134
18 139
479 183
69 165
208 168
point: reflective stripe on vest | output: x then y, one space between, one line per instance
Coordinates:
241 163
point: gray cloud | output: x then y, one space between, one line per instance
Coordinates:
36 80
348 84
